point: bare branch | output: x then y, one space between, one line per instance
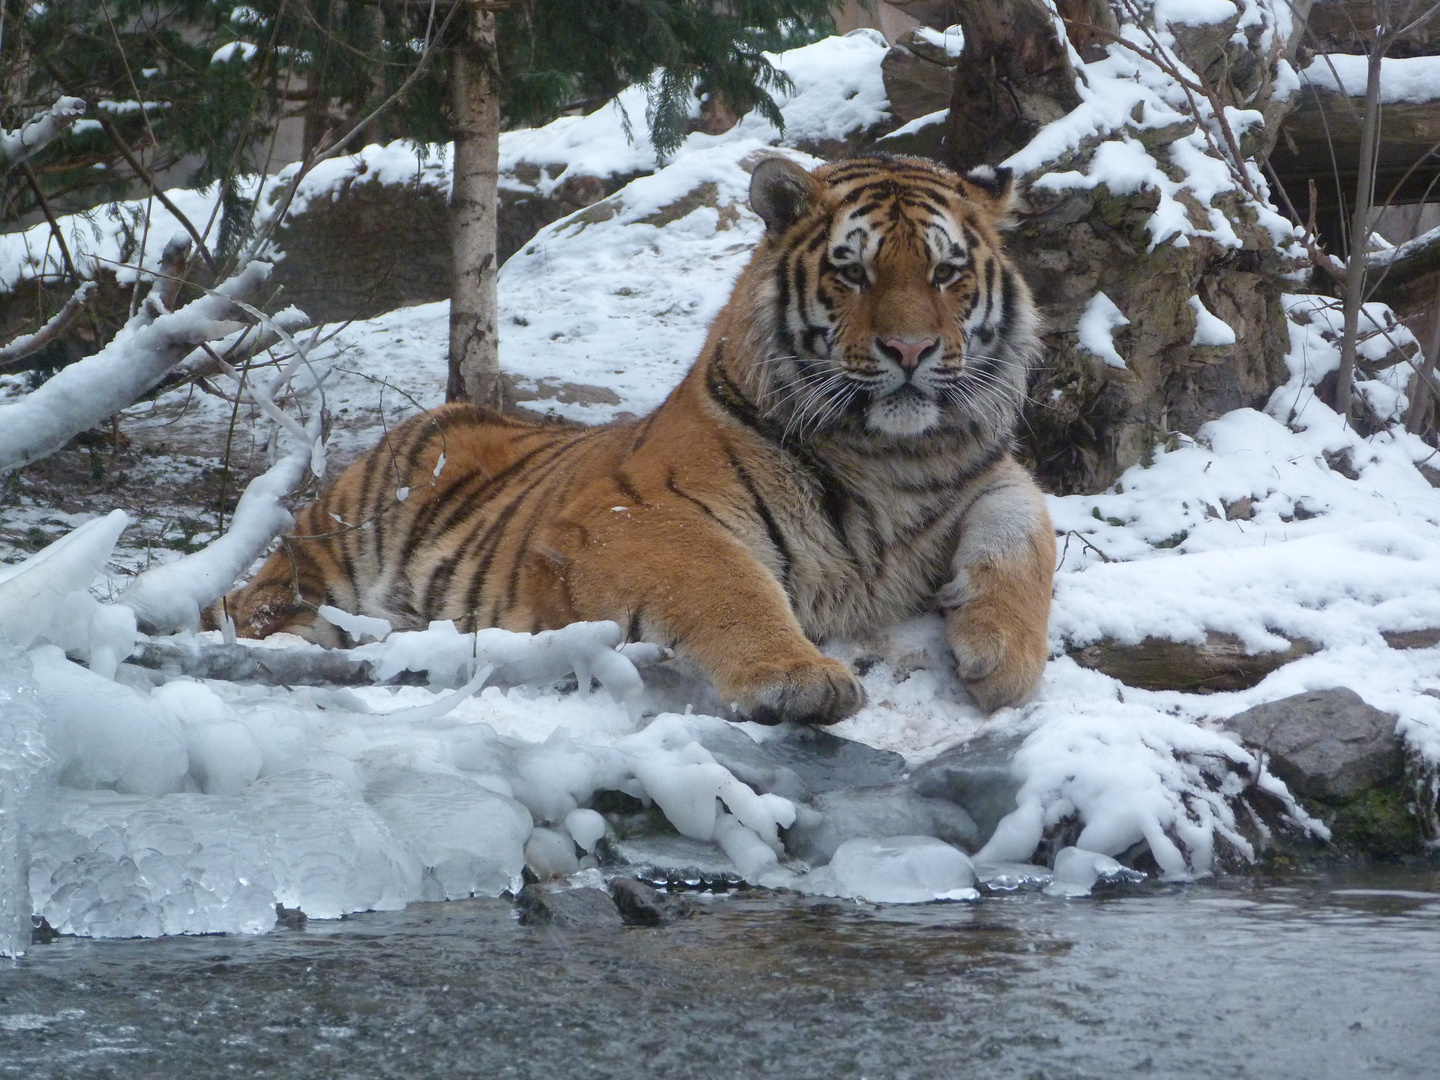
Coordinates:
92 390
34 183
1355 267
165 201
29 344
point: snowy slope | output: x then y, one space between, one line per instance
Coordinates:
195 807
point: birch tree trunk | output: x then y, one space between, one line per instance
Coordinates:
475 105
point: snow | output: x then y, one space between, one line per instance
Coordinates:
951 39
1414 80
1097 326
156 804
1193 12
1210 329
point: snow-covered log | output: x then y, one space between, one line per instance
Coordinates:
171 596
92 390
16 146
314 665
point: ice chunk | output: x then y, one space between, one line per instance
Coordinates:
896 870
106 734
752 857
551 854
332 854
24 778
685 781
224 756
110 865
113 865
47 597
587 649
1077 871
470 840
586 827
359 627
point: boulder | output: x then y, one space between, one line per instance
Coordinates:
640 905
1326 744
917 77
568 909
978 776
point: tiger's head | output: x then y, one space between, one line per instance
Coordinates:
885 302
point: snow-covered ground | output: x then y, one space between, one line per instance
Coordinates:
181 806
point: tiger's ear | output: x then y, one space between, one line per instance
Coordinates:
781 192
992 186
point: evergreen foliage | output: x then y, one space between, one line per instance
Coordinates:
210 102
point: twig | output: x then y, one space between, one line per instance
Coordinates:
29 344
165 201
34 182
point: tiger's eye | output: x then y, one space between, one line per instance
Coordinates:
945 273
854 273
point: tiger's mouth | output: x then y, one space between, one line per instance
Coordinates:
907 410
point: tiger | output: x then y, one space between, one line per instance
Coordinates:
838 458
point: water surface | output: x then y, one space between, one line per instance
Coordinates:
1307 977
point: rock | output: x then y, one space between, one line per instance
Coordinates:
753 763
977 776
1326 744
568 909
826 762
372 248
1220 664
836 817
640 905
1411 639
916 85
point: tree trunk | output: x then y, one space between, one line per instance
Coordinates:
475 105
1014 77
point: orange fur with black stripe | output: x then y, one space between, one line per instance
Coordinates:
838 458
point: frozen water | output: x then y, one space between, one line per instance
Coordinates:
586 827
896 870
107 734
24 782
46 598
470 840
1077 870
551 854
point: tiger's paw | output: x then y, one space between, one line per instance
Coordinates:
997 637
819 691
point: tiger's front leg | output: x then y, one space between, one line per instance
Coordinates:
997 604
683 580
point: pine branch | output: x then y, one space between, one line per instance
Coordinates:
16 146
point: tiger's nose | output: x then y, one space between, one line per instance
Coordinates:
905 352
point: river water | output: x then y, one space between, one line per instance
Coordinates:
1301 977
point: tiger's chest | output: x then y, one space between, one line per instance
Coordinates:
867 547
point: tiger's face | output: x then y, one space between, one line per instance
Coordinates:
893 310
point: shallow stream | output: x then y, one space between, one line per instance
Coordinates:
1302 977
